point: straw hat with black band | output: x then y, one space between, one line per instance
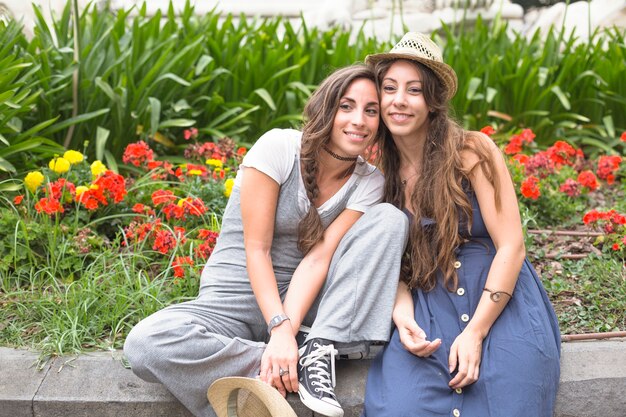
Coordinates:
420 48
247 397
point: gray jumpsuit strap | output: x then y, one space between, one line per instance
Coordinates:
187 346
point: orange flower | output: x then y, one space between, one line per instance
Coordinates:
162 196
138 154
530 188
18 199
488 130
49 205
178 263
588 179
561 153
623 137
164 241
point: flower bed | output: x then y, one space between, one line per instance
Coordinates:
90 251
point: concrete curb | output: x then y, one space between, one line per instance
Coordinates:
593 382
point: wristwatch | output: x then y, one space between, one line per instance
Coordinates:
275 321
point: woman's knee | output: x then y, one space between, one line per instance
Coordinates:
388 219
139 350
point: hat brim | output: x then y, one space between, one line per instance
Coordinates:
224 392
442 70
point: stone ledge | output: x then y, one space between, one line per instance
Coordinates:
593 381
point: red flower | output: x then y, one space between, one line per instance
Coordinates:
588 179
206 234
591 216
49 205
570 187
527 135
615 246
17 200
178 263
164 241
162 196
607 166
242 151
202 152
108 186
190 133
514 146
138 154
143 209
623 137
530 188
205 249
561 153
488 130
56 189
521 158
539 164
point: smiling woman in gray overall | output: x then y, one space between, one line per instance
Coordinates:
304 240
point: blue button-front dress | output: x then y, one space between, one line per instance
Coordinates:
519 370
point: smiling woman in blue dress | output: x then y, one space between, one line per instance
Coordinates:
476 335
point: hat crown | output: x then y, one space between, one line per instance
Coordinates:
419 45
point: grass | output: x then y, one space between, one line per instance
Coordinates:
57 317
95 312
588 294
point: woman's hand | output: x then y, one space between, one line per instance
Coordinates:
465 355
281 353
413 338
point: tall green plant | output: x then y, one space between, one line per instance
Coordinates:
19 91
555 83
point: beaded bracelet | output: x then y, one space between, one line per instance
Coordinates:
496 295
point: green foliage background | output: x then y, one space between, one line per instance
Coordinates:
238 77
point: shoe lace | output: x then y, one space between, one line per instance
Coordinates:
317 364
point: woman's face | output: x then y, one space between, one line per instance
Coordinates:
403 107
357 118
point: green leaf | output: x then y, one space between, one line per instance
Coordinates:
155 114
111 162
175 78
74 121
20 147
561 96
609 126
11 186
6 166
472 87
102 135
177 123
265 95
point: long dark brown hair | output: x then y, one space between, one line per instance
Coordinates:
439 197
319 115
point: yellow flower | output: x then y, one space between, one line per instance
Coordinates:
33 180
97 168
194 172
228 186
215 163
81 189
74 157
59 165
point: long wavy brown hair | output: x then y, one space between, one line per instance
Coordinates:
319 115
439 198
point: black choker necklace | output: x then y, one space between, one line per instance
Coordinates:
339 157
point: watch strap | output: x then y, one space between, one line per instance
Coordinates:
275 321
